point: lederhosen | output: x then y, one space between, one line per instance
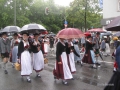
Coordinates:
6 54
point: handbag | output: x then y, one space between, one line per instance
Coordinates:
17 66
45 60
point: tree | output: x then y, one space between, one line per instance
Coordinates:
81 10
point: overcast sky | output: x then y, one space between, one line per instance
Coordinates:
63 2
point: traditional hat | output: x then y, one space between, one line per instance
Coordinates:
3 33
115 38
36 34
15 34
25 33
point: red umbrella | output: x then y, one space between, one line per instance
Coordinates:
87 34
97 30
44 32
68 33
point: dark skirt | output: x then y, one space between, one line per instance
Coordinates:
114 83
58 72
5 55
87 59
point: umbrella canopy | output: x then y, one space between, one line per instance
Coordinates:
114 25
87 34
32 28
97 30
107 34
68 33
44 32
11 29
117 34
51 34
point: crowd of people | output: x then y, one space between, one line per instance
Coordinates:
30 52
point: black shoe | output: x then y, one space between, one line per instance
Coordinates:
94 67
98 64
6 72
65 82
29 80
38 76
72 79
78 62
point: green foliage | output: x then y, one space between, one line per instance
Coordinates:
33 11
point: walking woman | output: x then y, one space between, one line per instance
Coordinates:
14 45
24 57
38 59
5 50
89 56
46 44
62 70
71 61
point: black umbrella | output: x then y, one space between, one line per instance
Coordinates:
117 34
10 29
114 25
51 34
107 34
32 28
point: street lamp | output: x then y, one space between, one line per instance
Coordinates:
15 12
85 15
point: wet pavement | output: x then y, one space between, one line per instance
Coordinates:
86 78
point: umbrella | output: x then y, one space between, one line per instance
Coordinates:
11 29
117 34
68 33
87 34
32 28
97 30
44 32
114 25
107 34
51 34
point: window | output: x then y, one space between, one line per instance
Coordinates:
119 5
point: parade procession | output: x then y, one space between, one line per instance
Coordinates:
47 45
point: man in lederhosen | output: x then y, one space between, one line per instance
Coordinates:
5 50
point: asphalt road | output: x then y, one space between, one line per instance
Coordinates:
86 78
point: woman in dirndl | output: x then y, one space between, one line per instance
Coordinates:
37 56
46 44
89 56
62 70
14 46
77 57
24 57
71 51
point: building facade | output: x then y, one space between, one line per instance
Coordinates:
111 9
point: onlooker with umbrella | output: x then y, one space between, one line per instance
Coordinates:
5 50
103 45
96 40
83 40
51 43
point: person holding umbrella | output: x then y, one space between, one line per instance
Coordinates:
5 50
62 70
38 59
24 57
14 45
